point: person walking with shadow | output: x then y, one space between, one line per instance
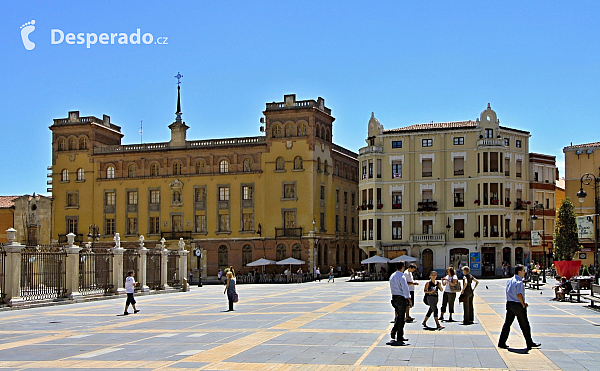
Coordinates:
129 288
516 307
400 300
230 289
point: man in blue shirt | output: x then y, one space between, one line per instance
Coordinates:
400 301
516 307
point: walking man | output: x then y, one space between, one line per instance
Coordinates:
408 273
400 301
516 307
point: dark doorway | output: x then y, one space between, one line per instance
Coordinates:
488 261
427 261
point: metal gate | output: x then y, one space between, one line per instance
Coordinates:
2 270
130 263
43 273
95 271
153 269
173 277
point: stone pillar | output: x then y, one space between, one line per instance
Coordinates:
12 273
311 252
164 258
142 261
72 269
183 264
117 269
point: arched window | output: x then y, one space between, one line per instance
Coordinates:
80 175
83 143
290 130
132 171
297 252
325 166
322 135
154 170
110 172
246 255
223 256
327 135
318 163
72 144
280 163
301 130
224 166
61 145
280 253
247 165
64 175
298 163
177 168
200 167
276 131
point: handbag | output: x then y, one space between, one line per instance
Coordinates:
236 298
456 288
462 297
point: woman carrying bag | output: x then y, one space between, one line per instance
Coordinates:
466 296
431 298
230 290
451 287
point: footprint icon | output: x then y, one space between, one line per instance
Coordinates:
26 29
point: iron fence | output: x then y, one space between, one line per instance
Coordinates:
95 271
153 269
43 273
2 270
173 278
130 263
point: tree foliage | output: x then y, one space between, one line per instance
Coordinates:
566 242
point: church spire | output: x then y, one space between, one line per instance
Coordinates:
178 112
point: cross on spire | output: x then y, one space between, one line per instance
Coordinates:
178 77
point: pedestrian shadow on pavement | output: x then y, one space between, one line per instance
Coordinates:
518 351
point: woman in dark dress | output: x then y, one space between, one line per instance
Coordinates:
468 292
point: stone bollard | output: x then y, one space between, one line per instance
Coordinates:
182 261
72 269
12 273
117 269
164 258
142 272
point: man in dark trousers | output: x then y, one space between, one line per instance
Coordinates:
516 307
400 301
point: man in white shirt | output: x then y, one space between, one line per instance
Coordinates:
129 288
400 300
408 273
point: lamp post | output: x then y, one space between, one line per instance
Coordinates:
535 217
591 179
94 233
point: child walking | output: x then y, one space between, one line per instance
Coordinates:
129 285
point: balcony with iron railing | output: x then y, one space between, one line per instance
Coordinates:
421 238
522 235
186 235
427 205
288 232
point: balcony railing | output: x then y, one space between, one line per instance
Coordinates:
288 232
186 235
523 235
427 174
417 238
396 206
459 172
427 206
370 149
62 238
459 234
491 142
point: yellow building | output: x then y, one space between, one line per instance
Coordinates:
238 199
579 160
446 193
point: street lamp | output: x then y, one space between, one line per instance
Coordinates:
94 233
591 179
535 217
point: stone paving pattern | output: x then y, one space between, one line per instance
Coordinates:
309 326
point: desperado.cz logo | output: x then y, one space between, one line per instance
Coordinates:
58 36
90 38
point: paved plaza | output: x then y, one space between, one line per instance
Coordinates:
310 326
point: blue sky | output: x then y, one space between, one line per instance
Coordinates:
536 62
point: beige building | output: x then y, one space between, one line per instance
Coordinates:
579 160
446 193
544 176
238 199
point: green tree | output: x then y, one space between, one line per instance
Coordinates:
566 243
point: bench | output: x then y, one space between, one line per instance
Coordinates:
534 282
594 295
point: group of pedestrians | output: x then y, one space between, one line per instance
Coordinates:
402 286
